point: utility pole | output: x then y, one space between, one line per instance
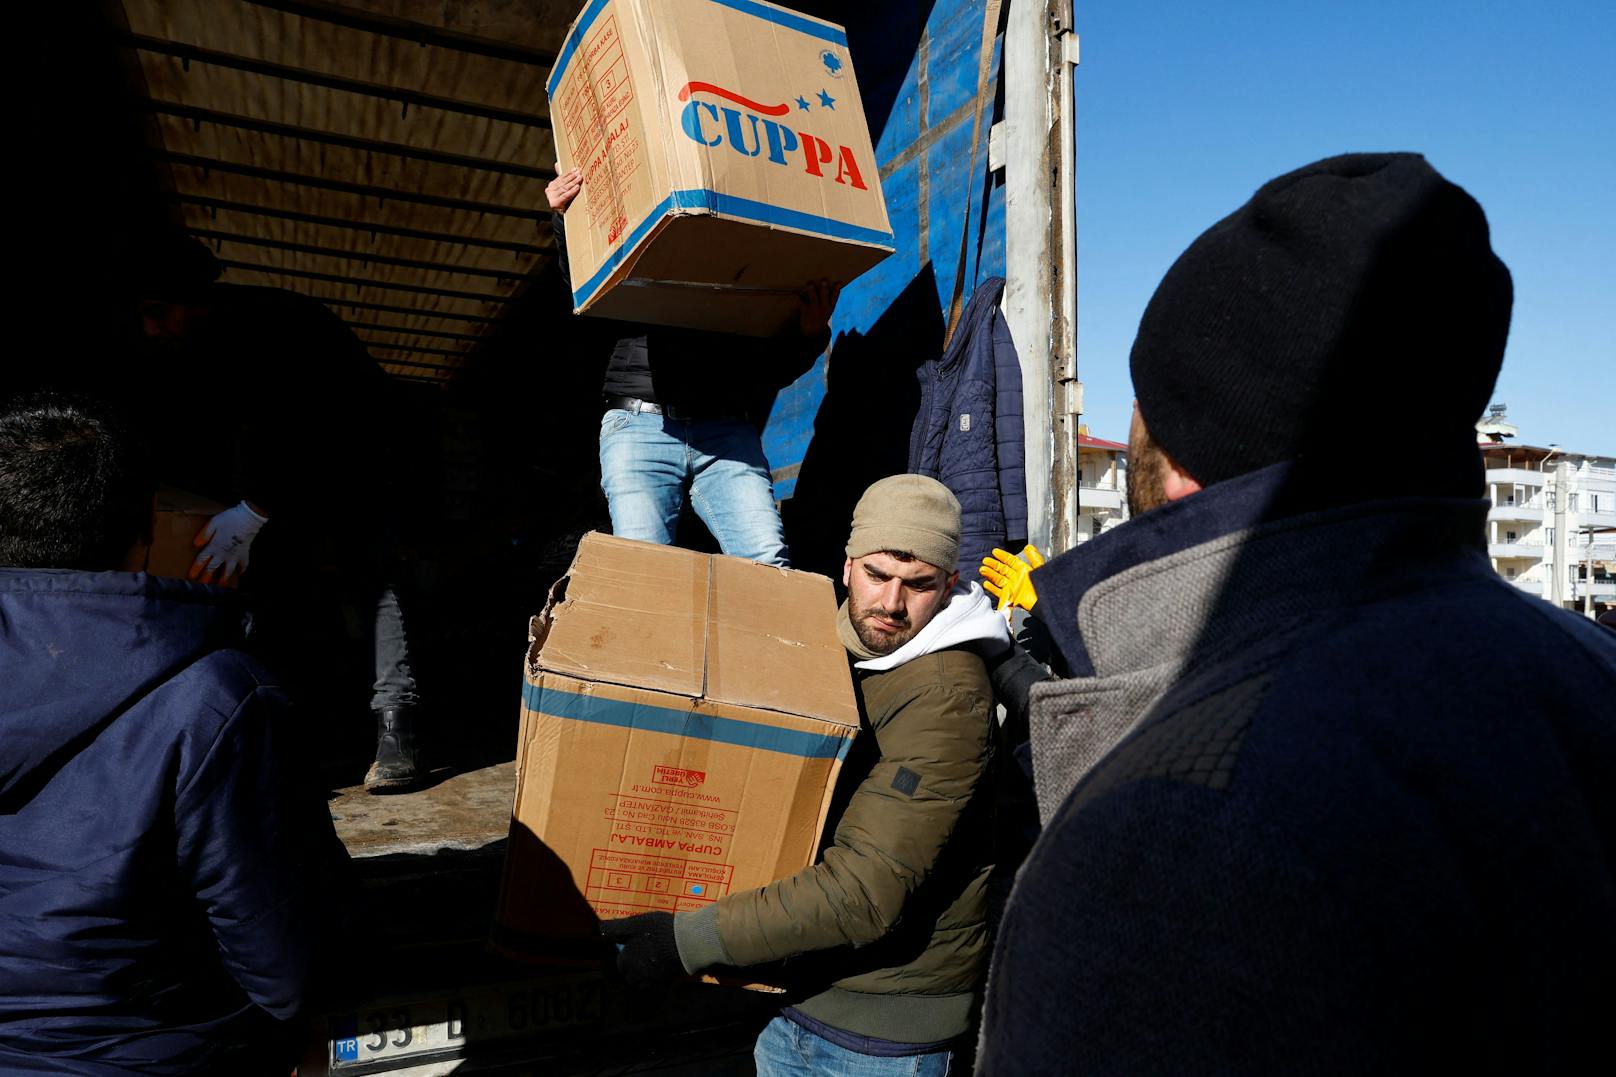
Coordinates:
1560 572
1040 298
1588 575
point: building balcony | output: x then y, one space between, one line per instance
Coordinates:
1531 587
1602 518
1522 475
1099 497
1602 589
1524 511
1504 550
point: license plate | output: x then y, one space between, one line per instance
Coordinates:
445 1025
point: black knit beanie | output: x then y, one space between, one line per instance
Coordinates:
1355 301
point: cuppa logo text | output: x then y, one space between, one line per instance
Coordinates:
749 132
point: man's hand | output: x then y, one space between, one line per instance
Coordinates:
647 953
225 542
1009 578
564 188
818 302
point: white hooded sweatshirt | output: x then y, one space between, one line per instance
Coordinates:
967 617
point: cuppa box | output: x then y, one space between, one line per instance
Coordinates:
726 161
178 519
684 719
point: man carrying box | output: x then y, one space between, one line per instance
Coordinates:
887 931
676 418
263 399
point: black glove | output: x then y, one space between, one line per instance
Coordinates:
647 954
1012 675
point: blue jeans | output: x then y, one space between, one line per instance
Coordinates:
648 461
785 1049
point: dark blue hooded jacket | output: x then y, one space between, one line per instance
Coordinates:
162 859
1369 826
968 432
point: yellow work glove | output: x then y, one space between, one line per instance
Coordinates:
1009 578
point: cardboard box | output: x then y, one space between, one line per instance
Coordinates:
726 161
684 719
178 519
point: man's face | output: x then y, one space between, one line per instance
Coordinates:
889 598
1146 464
165 323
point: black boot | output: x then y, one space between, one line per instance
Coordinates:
396 768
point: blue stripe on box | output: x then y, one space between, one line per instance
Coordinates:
789 19
730 206
571 46
682 723
613 260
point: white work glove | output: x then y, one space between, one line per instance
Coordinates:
225 542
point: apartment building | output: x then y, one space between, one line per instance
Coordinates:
1552 528
1102 501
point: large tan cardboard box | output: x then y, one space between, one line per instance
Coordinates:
180 516
684 718
726 161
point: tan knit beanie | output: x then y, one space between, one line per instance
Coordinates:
909 514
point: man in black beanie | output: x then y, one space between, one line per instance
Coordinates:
1320 792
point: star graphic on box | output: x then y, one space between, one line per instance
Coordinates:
827 100
802 103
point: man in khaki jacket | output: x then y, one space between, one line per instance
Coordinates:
884 939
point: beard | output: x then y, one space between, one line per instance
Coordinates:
878 639
1146 462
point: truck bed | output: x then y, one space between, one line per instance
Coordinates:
424 994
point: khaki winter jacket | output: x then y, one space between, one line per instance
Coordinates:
894 912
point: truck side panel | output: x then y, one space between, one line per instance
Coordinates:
846 422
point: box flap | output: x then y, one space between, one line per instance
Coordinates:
772 642
704 626
628 613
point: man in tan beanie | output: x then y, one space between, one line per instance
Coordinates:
884 940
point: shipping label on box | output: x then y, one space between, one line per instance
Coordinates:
725 160
684 719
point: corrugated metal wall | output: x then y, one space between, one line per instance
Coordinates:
392 169
846 422
923 147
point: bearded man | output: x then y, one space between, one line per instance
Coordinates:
1320 792
884 939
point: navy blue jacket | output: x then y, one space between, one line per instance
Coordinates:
1373 832
968 430
162 859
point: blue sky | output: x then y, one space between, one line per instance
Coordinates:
1185 108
